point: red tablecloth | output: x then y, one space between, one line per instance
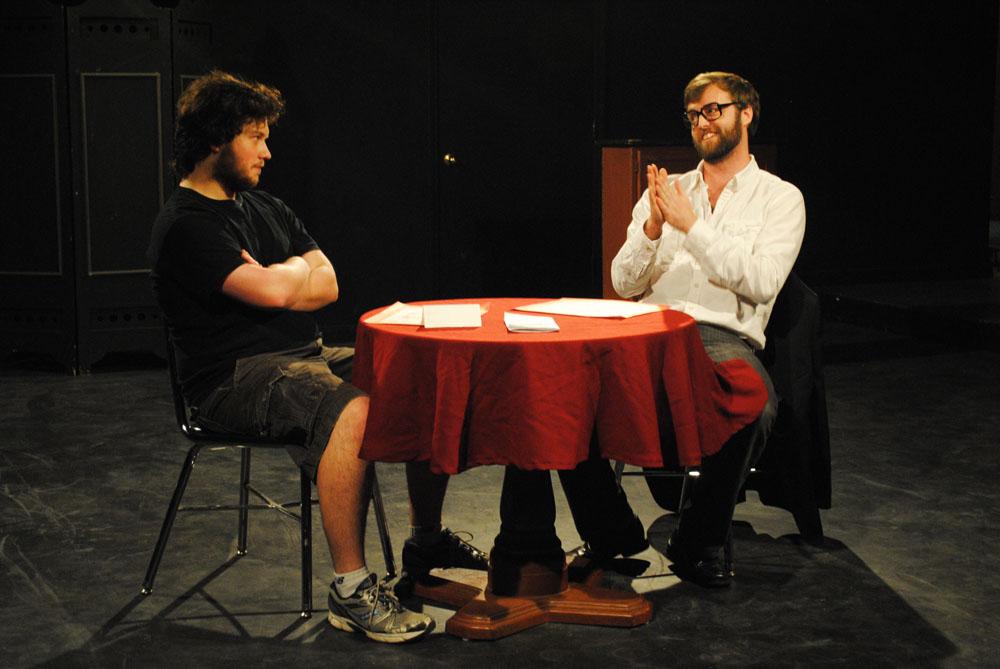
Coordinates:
467 397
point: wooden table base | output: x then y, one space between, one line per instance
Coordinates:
483 615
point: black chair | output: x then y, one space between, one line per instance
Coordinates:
793 472
202 437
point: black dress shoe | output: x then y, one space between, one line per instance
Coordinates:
706 572
582 561
449 551
627 540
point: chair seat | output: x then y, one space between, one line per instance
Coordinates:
202 437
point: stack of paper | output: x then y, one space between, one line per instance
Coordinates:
399 314
452 316
432 315
524 323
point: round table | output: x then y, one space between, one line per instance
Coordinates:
467 397
463 397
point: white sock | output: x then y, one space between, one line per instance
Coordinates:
347 583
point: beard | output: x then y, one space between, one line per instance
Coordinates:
227 173
727 139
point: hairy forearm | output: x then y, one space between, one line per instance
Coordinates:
318 290
288 278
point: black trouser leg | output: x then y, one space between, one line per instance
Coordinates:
706 523
527 520
601 512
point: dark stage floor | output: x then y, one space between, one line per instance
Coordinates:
907 576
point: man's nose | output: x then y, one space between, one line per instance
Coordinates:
703 122
266 152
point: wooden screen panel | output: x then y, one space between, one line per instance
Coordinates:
31 220
123 175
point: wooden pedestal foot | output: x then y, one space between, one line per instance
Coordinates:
483 615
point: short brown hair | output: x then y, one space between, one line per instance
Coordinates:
742 91
213 109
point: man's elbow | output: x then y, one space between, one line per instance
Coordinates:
616 281
762 292
331 295
625 290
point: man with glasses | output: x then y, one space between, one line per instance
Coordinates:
717 243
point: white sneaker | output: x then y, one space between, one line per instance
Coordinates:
376 612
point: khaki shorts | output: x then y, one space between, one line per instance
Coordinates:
296 394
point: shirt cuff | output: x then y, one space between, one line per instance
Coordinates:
647 244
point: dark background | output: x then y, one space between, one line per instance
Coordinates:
882 114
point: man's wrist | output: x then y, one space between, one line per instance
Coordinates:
652 230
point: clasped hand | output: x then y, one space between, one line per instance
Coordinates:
667 204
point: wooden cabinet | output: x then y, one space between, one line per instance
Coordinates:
623 179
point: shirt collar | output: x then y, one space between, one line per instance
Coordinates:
744 176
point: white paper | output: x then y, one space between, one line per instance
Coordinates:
525 323
398 314
575 306
452 316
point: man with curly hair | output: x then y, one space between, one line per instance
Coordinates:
237 275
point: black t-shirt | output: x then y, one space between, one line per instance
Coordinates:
195 244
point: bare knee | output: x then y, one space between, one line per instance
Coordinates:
350 425
355 411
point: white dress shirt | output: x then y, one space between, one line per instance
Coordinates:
728 268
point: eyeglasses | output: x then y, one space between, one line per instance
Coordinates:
711 111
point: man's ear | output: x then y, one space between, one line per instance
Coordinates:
216 149
746 116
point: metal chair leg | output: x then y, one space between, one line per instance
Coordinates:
619 469
168 521
305 525
685 486
383 529
727 553
241 542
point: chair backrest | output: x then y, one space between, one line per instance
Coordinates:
196 432
180 406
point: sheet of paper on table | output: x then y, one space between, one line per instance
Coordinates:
452 316
526 323
576 306
399 314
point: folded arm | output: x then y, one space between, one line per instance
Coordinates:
300 283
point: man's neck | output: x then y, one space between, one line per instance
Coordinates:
201 181
719 174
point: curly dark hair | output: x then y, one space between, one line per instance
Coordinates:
742 91
213 109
